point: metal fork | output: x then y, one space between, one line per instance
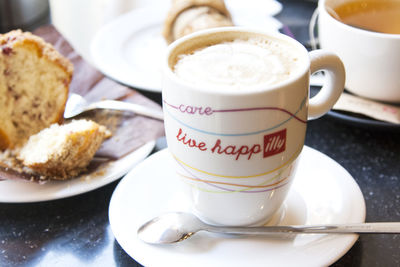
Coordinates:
76 105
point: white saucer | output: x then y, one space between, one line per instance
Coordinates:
13 191
322 192
130 49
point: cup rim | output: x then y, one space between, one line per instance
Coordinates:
322 9
168 72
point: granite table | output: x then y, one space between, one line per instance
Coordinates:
75 231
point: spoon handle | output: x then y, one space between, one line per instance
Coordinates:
125 106
358 228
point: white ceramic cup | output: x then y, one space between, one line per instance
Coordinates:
371 59
236 150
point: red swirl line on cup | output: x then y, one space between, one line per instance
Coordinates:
262 108
202 111
172 106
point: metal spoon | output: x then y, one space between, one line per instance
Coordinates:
76 105
178 226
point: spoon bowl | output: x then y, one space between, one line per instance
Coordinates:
170 228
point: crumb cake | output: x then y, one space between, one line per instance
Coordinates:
34 82
63 151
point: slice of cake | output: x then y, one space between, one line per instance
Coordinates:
63 151
34 81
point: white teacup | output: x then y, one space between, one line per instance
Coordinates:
371 59
236 149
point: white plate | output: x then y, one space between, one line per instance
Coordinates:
130 48
322 192
12 191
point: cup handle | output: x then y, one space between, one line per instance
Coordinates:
333 86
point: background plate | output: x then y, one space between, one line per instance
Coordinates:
130 49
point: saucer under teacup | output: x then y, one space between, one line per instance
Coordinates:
322 192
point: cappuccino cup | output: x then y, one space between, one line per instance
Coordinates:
236 104
367 44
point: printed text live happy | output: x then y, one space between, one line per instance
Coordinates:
272 144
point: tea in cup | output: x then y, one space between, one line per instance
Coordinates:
365 34
236 105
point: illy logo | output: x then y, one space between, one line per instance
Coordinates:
274 143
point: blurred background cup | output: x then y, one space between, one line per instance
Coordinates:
371 58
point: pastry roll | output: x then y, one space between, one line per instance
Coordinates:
187 16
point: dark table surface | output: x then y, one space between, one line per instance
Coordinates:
76 231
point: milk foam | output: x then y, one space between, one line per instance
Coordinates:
239 64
